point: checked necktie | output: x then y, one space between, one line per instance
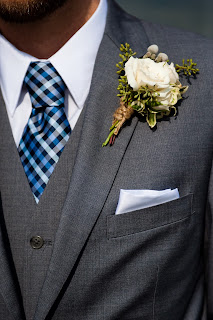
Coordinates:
47 130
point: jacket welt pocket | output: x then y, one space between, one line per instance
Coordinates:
149 218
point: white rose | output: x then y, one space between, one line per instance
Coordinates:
146 72
159 76
173 75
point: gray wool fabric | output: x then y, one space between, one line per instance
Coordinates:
31 219
150 264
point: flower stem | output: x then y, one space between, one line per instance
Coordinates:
109 137
112 140
114 125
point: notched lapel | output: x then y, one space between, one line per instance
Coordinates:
95 168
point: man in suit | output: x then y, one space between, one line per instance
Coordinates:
64 254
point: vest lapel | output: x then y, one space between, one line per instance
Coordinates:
96 167
9 286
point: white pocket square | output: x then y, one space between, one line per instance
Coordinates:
132 200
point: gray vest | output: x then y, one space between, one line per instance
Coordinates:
24 219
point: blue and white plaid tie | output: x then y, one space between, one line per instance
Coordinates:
47 130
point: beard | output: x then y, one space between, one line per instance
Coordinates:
23 11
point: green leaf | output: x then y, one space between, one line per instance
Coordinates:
151 119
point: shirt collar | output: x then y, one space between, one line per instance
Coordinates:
74 61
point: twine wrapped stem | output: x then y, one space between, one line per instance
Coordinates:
121 115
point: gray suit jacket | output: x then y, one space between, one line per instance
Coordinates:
148 264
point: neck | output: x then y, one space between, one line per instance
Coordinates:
45 37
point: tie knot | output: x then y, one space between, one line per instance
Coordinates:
45 86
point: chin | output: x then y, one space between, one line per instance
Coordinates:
23 11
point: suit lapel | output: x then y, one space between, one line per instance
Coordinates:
95 168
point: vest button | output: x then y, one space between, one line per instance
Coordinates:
36 242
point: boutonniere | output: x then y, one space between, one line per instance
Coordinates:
149 86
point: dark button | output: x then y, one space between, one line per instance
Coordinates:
36 242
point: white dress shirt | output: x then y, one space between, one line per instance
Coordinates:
74 62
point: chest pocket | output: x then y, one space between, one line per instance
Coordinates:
149 218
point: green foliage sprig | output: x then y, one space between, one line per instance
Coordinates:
187 68
124 88
126 53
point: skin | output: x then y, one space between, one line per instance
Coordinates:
43 36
